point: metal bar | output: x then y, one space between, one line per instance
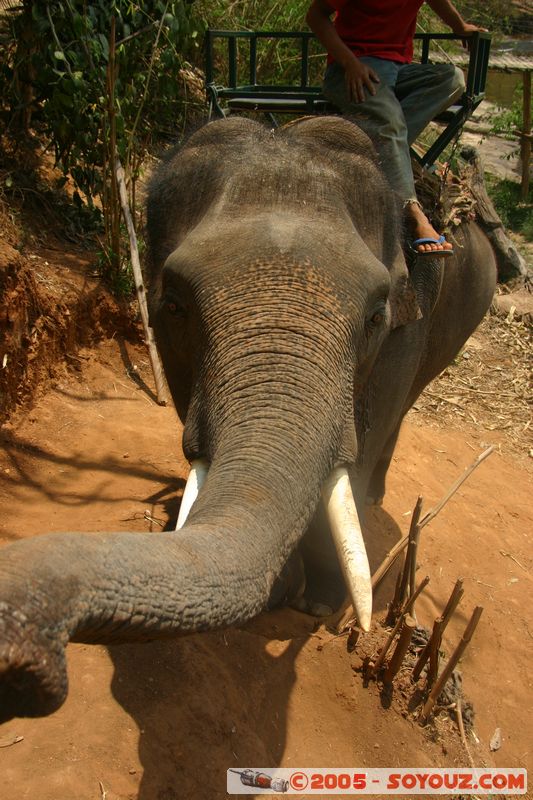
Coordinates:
425 50
304 80
232 58
475 61
209 57
262 34
212 96
253 61
289 93
443 140
486 43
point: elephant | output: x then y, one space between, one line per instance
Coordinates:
294 337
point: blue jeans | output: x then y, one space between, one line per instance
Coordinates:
407 98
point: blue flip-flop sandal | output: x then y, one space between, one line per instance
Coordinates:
431 253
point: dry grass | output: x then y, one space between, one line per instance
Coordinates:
488 384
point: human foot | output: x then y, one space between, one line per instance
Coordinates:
426 240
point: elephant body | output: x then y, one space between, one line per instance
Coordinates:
294 340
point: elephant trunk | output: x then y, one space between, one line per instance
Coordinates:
218 570
275 413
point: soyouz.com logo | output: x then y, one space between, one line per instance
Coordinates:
405 781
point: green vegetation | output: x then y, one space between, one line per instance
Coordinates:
516 214
509 120
94 81
495 15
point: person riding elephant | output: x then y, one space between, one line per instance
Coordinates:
371 75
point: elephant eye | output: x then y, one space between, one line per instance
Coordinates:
377 318
174 306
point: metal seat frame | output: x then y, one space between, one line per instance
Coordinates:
303 99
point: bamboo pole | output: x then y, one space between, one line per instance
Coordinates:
434 649
373 668
398 656
410 556
525 149
451 605
396 600
452 663
139 285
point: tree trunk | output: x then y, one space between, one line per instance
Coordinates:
510 262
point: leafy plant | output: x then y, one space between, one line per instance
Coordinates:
96 80
516 214
508 120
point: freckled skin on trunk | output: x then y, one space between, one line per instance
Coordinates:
271 258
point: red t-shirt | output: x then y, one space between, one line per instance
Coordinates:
381 28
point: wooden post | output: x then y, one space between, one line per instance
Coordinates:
434 648
443 620
139 285
373 668
525 149
452 663
409 566
398 656
112 204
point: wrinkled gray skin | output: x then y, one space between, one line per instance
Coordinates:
276 270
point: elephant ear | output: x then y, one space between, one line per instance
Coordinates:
403 298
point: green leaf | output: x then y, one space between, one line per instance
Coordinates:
105 45
59 54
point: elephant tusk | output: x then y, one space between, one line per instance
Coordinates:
195 481
347 535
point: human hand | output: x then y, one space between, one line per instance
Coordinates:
466 29
359 76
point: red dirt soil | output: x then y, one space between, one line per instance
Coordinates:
165 720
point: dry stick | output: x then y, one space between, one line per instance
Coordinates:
345 616
409 554
396 600
434 647
453 601
410 602
139 286
412 539
460 723
372 670
445 617
452 663
458 483
398 656
414 555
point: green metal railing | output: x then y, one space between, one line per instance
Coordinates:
302 98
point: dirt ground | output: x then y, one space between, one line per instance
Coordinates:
165 720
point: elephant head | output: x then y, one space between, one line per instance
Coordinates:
272 258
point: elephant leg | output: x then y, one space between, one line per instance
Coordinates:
376 486
324 582
289 586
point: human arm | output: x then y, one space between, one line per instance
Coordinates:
358 75
452 18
